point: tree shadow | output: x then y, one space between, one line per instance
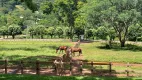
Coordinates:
106 78
116 47
45 77
29 58
86 41
51 47
29 61
20 48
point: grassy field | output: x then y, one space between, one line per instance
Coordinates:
35 77
45 50
29 50
96 51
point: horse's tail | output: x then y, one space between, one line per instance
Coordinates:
80 51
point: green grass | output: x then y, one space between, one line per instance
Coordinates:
96 52
35 77
29 50
45 50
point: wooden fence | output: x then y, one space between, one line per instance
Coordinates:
37 67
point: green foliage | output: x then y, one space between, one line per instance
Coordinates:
14 30
40 30
135 32
79 31
102 33
2 19
4 31
88 33
59 31
31 5
67 32
78 15
46 7
32 31
117 14
29 23
51 31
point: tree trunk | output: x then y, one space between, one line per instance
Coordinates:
123 43
3 36
110 43
13 36
51 36
32 36
7 36
78 36
41 37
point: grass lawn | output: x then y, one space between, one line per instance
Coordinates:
29 50
44 50
35 77
97 52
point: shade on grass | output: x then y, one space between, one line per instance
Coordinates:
35 77
42 50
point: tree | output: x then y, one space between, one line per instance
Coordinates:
67 32
111 36
14 30
59 31
119 13
135 31
88 33
3 20
79 31
40 30
102 33
94 31
32 31
31 5
51 31
46 7
4 31
80 24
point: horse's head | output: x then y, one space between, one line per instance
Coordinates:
57 49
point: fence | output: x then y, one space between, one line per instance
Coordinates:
20 66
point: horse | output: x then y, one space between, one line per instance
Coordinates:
59 66
61 48
73 50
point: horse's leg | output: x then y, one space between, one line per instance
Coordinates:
73 54
79 54
59 51
62 51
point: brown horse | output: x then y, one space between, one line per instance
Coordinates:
73 50
61 48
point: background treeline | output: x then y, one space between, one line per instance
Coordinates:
95 19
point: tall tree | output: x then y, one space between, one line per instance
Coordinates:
119 13
14 30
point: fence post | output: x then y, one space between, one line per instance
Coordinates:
21 66
81 63
5 66
92 67
110 68
70 68
127 71
37 68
